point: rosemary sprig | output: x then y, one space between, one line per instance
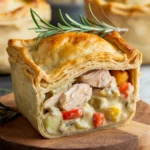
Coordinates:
45 29
7 114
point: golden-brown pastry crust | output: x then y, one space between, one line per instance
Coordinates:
134 17
15 19
58 61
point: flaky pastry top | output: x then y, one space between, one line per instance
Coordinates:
59 54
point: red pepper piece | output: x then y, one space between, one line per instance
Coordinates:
124 88
98 119
72 114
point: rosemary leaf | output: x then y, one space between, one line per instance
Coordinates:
63 27
49 25
62 18
82 20
37 41
73 22
35 21
49 33
86 21
93 14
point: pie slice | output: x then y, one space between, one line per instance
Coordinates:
75 82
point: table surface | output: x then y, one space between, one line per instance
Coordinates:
5 82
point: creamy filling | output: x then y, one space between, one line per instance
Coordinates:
97 98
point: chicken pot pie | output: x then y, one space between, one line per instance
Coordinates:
75 82
15 20
132 14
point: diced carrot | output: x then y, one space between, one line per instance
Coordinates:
72 114
121 76
98 119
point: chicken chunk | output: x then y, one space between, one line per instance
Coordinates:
97 78
52 101
75 96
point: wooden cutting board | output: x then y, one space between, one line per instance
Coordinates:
20 135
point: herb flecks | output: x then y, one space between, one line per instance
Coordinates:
7 114
45 29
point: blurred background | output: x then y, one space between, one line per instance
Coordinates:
72 7
75 8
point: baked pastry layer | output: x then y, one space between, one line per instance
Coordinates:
68 78
15 19
134 15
